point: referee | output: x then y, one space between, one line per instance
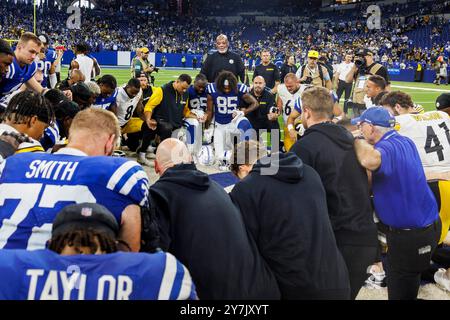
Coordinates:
222 60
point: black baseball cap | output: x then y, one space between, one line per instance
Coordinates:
81 91
85 215
443 101
62 106
367 52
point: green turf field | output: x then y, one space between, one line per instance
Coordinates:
422 93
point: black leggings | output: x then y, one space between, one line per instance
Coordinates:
344 86
163 130
357 259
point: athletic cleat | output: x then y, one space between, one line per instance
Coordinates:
141 159
376 280
223 166
442 279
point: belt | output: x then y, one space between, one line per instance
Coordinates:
413 229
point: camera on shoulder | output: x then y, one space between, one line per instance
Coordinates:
308 80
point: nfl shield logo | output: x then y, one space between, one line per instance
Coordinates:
86 212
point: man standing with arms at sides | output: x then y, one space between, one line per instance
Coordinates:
269 71
83 62
133 63
142 65
80 172
221 60
341 75
403 201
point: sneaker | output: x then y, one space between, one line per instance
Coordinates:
376 280
223 166
150 155
144 161
442 279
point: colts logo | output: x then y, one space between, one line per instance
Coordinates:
74 20
374 20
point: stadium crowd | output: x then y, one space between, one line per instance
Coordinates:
313 208
116 28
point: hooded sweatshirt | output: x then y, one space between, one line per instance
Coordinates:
328 148
286 213
201 227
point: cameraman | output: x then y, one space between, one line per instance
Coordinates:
364 67
142 65
314 73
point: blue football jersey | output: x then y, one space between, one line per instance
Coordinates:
51 136
34 187
45 275
298 105
196 100
225 104
105 103
45 65
298 101
15 78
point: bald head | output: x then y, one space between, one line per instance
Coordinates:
76 76
170 153
258 85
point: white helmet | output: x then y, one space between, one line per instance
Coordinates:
206 155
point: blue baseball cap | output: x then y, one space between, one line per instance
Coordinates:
377 116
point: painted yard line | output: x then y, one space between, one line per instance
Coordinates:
420 88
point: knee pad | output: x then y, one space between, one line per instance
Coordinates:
190 124
246 129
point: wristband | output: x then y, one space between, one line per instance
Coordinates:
290 127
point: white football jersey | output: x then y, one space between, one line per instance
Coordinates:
288 99
125 105
86 65
430 132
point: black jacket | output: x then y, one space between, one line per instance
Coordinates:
328 148
286 213
217 62
270 73
258 117
171 108
285 69
202 228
